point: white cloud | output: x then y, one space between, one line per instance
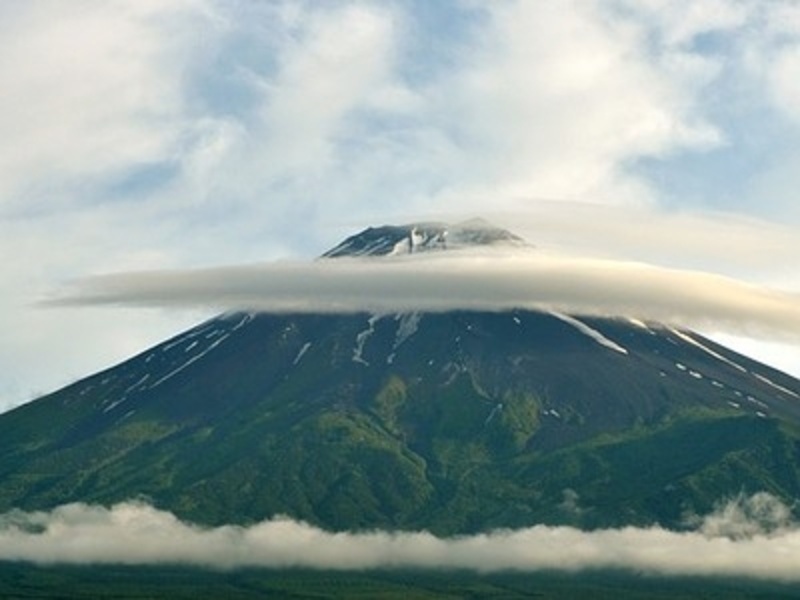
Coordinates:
719 242
745 538
557 98
783 79
773 54
339 64
680 24
89 90
328 63
308 146
744 518
479 280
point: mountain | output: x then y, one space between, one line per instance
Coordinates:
391 240
453 422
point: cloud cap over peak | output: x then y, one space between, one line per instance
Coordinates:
494 279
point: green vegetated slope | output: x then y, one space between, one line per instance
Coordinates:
453 422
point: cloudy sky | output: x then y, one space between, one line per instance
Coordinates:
140 135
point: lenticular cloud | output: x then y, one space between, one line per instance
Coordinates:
751 537
461 280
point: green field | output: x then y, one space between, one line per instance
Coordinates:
25 581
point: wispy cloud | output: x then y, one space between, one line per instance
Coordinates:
487 280
747 537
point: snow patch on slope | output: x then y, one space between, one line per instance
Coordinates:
186 337
690 340
496 409
643 325
590 332
778 387
408 325
301 353
191 361
139 383
361 340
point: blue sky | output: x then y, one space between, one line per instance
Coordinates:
144 134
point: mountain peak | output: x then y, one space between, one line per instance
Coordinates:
389 240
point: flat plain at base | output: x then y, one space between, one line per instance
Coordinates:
24 581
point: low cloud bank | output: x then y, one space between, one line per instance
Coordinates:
750 537
494 280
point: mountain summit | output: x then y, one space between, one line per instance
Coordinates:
453 422
390 240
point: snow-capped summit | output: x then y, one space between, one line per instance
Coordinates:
423 237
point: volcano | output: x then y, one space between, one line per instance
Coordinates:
453 422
